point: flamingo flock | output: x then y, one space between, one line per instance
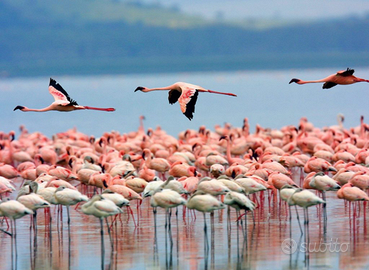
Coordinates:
122 168
201 170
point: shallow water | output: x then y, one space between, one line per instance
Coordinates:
266 98
183 245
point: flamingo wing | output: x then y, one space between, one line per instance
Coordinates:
346 73
187 102
328 85
173 96
60 95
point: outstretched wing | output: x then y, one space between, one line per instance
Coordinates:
60 95
187 102
347 72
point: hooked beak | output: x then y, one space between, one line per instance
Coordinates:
140 88
18 108
294 80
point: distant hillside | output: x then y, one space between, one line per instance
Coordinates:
105 36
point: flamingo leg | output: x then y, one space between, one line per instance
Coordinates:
102 242
298 219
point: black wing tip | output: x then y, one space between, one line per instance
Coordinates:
18 108
139 88
328 85
52 82
350 70
294 80
188 115
190 108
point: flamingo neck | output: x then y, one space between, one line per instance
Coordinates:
170 87
314 81
36 110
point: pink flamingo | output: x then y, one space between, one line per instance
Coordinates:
341 77
185 93
13 210
351 193
158 164
62 103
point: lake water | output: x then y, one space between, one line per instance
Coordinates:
270 244
266 98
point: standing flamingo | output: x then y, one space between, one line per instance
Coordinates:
351 193
66 196
62 103
341 77
13 210
101 208
305 198
185 93
239 201
204 202
166 198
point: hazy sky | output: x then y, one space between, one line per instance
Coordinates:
288 9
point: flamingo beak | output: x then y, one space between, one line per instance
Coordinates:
140 88
18 108
294 80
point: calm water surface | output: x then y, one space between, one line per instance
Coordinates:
264 246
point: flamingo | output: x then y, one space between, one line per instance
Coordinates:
66 196
285 193
212 186
152 186
175 185
185 93
351 193
342 77
239 201
116 198
158 164
304 198
230 184
204 202
166 198
13 210
33 202
101 208
62 103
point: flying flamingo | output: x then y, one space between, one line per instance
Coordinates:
62 103
341 77
185 93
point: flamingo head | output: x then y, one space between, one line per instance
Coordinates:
294 80
140 88
225 137
19 108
